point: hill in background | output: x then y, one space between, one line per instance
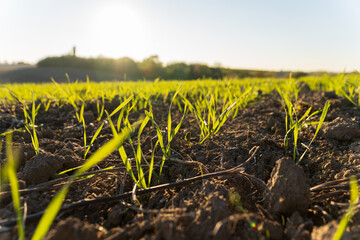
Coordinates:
108 69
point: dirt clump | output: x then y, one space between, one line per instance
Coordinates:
116 215
297 228
341 129
327 232
41 168
226 207
238 226
355 146
71 159
24 152
289 189
74 228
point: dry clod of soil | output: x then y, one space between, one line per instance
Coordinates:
116 215
289 189
329 95
297 228
237 226
41 167
341 129
71 159
326 232
24 151
272 228
6 235
74 228
355 146
211 209
89 116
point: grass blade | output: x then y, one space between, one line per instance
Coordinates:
322 118
141 176
84 136
93 139
151 167
354 199
105 150
115 133
321 121
176 130
55 204
50 213
126 162
14 184
295 135
169 114
121 106
120 118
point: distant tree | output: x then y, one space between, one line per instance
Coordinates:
299 74
199 71
177 71
152 68
125 67
216 73
128 68
65 61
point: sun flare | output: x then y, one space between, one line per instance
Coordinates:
116 27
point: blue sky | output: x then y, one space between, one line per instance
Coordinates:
293 35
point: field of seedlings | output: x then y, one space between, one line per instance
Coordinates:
202 159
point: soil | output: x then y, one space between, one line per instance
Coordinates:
299 201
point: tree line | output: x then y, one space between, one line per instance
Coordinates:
151 68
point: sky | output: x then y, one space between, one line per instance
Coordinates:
306 35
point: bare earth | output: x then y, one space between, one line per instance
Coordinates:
292 205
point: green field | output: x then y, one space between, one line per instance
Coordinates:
158 139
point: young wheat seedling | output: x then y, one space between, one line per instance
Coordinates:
170 133
354 200
55 204
14 185
33 135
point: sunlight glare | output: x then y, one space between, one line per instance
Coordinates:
117 28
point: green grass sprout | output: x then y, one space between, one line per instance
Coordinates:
33 135
14 185
55 204
354 200
320 123
96 134
177 114
141 180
